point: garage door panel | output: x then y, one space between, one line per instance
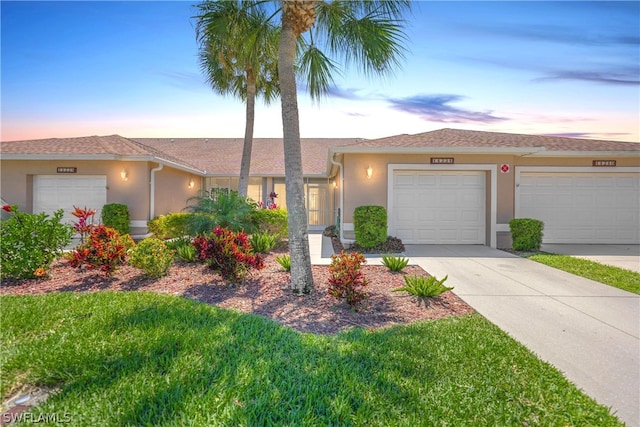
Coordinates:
583 207
51 193
439 207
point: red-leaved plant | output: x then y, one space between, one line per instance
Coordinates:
228 253
346 279
105 249
84 225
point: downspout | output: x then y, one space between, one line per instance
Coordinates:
152 195
341 181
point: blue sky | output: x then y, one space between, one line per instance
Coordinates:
130 68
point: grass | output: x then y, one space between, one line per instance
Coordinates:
609 275
136 358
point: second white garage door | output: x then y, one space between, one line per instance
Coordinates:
53 192
430 207
583 207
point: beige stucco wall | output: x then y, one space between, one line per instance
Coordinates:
16 183
358 190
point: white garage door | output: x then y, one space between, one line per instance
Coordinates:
51 192
583 207
432 207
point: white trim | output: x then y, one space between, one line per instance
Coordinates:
594 154
562 169
493 197
348 226
518 151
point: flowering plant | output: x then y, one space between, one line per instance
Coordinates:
270 204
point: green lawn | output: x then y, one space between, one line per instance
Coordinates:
134 358
609 275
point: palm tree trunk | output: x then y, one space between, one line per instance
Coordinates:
243 181
301 274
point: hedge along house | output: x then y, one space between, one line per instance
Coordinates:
463 187
153 176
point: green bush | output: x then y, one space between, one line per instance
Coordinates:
423 286
394 263
153 257
116 216
274 221
30 242
370 225
284 261
263 242
186 253
526 234
169 226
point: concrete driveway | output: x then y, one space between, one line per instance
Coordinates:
623 256
588 330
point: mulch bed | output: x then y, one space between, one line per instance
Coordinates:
265 292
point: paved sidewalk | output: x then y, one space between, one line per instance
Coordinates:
589 331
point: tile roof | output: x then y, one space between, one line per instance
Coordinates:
222 156
114 145
479 139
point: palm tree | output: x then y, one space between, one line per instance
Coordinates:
366 32
238 53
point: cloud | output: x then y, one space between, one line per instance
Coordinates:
612 78
185 80
436 108
587 135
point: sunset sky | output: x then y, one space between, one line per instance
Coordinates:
130 68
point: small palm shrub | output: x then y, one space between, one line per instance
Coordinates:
152 256
105 249
263 242
284 261
346 280
220 208
30 242
394 263
423 286
228 253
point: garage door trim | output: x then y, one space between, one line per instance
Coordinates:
519 170
493 200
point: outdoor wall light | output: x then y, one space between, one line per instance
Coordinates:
123 175
335 184
369 172
191 184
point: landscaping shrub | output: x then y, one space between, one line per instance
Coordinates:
423 286
228 253
220 208
346 279
116 216
274 221
186 253
370 225
152 256
526 234
30 242
284 261
394 263
105 249
263 242
169 226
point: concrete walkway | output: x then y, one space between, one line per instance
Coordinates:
589 331
623 256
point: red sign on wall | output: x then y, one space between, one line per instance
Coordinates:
504 168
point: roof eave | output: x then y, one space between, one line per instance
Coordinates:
518 151
573 153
